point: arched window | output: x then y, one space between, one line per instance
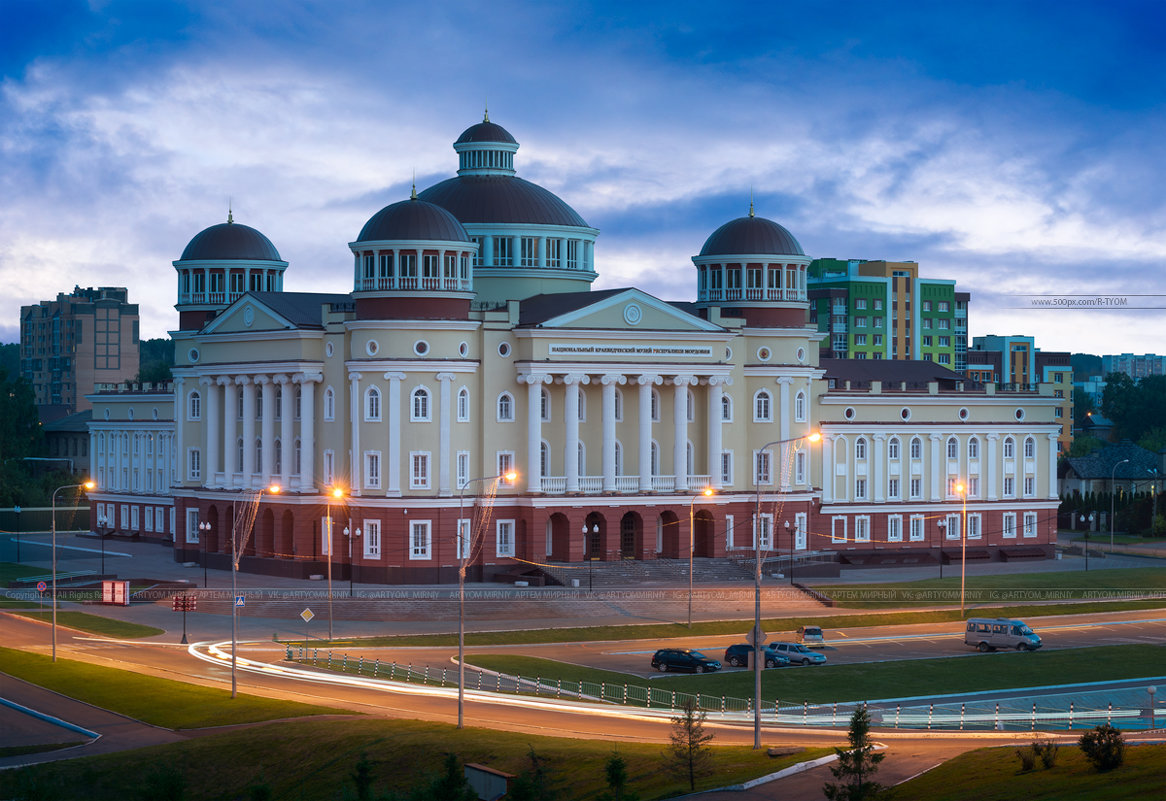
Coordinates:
544 459
973 448
505 408
582 406
545 405
953 448
329 404
726 409
689 459
690 406
916 448
893 448
1009 448
463 405
655 406
800 407
655 458
372 404
1029 448
860 448
419 411
582 459
194 406
762 407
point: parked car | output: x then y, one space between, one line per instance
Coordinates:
683 659
988 634
811 635
798 654
738 656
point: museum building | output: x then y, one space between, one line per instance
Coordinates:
472 345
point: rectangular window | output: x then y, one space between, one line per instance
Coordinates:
329 467
529 251
327 526
503 251
766 532
974 527
859 492
916 488
761 467
194 464
554 253
800 530
419 539
893 489
134 518
1009 487
463 468
1008 526
862 529
916 528
726 467
505 463
860 339
1029 486
800 467
372 539
192 532
952 525
419 470
148 519
860 303
838 529
372 469
973 486
504 545
572 254
429 263
463 538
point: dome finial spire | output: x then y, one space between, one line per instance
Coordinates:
413 194
230 214
486 115
750 201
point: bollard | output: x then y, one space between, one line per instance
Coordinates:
376 666
479 680
344 664
996 724
722 704
898 708
805 712
962 717
625 693
360 666
930 709
1034 716
1109 714
834 715
1070 714
559 690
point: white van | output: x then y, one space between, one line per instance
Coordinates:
811 635
990 633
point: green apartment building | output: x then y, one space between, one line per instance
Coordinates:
884 310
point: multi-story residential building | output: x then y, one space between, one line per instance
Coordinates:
884 310
1015 361
71 344
1133 365
469 343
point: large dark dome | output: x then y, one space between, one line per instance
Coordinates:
501 199
413 219
485 132
230 241
751 235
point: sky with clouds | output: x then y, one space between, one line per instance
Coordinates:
1016 147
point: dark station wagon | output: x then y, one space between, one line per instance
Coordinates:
683 659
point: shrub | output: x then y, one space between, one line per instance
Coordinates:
1048 753
1103 746
1027 756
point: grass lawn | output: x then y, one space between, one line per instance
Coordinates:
11 571
21 750
162 702
993 774
316 759
94 624
877 680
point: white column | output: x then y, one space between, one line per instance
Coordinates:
571 384
393 460
1052 466
680 431
534 431
308 430
212 415
715 421
828 471
179 422
645 422
487 250
267 429
991 462
248 430
444 434
286 441
783 385
609 381
229 430
542 251
938 468
355 403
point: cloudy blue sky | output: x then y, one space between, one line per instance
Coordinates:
1016 147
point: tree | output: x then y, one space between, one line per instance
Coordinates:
689 756
617 780
857 764
1103 746
1082 404
1085 445
533 784
450 785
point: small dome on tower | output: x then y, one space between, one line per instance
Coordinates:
230 241
413 219
751 235
486 131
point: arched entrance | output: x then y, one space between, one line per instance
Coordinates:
593 536
704 542
631 536
560 537
285 545
670 537
265 535
211 542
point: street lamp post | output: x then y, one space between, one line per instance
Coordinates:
204 533
706 492
337 493
238 544
590 557
1088 521
86 485
962 489
463 547
1112 478
758 637
350 535
16 509
101 523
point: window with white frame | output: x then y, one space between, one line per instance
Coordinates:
297 457
952 526
762 407
973 448
916 488
1030 524
125 516
504 532
860 489
372 539
463 405
419 406
893 489
727 467
134 519
418 470
329 404
372 469
329 466
726 408
618 401
148 519
953 448
838 529
800 459
372 405
505 408
860 448
582 406
420 539
655 406
916 531
654 458
761 473
545 405
192 531
463 469
974 531
463 538
544 458
973 486
800 529
193 464
1029 486
194 406
1009 487
800 407
505 462
916 448
1009 448
862 529
1008 526
893 448
1029 448
954 487
766 542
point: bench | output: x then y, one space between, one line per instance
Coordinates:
60 577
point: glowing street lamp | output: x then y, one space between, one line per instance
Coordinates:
87 485
962 489
338 494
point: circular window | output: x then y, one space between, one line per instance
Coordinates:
371 347
192 354
849 413
905 413
632 314
463 349
763 354
329 349
1020 414
248 316
504 349
728 354
964 414
421 347
107 414
155 412
801 355
130 413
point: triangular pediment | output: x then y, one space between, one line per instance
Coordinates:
248 314
628 310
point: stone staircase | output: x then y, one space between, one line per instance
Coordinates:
636 574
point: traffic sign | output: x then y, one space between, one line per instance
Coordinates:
307 615
239 600
41 586
757 636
